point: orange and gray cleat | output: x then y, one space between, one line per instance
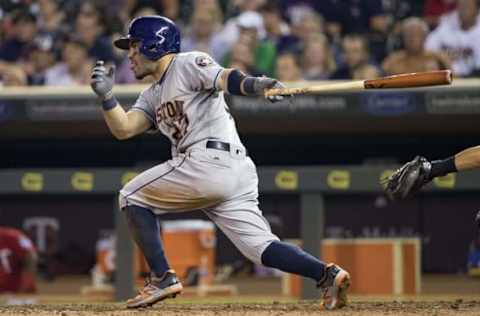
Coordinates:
335 287
156 290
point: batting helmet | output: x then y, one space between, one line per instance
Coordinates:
158 36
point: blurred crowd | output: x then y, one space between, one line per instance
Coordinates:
56 42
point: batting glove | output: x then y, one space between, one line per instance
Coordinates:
263 83
102 80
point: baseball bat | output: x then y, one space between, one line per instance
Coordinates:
409 80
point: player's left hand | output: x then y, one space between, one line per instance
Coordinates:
410 178
263 83
102 80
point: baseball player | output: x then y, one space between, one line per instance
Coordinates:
210 169
18 261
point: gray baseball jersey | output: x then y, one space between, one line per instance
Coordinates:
188 107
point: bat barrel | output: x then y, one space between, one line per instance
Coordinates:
411 80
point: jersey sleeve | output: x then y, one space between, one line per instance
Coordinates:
144 105
202 72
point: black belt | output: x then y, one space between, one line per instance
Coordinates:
218 145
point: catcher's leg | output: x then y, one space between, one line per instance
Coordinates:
163 283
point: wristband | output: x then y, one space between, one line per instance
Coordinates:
234 82
109 103
443 167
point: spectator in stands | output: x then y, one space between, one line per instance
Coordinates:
356 57
361 16
333 29
237 7
50 17
75 66
89 27
251 33
212 5
414 58
124 10
458 36
145 10
318 62
13 75
205 23
18 261
288 68
278 31
366 71
399 10
304 23
230 33
42 57
243 59
307 24
434 9
170 9
17 44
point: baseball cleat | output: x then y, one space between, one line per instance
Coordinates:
335 287
156 290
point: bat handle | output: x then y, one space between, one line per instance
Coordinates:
284 91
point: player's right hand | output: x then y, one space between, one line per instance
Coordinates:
102 80
263 83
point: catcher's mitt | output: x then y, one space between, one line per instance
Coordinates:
408 179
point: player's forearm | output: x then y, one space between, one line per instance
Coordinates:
468 159
117 121
464 160
102 82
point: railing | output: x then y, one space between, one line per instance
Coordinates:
24 111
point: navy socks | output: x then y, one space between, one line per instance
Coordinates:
145 229
292 259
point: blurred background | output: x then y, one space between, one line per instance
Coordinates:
54 144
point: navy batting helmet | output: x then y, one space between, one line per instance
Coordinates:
158 36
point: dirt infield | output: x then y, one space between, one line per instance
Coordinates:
358 308
441 296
